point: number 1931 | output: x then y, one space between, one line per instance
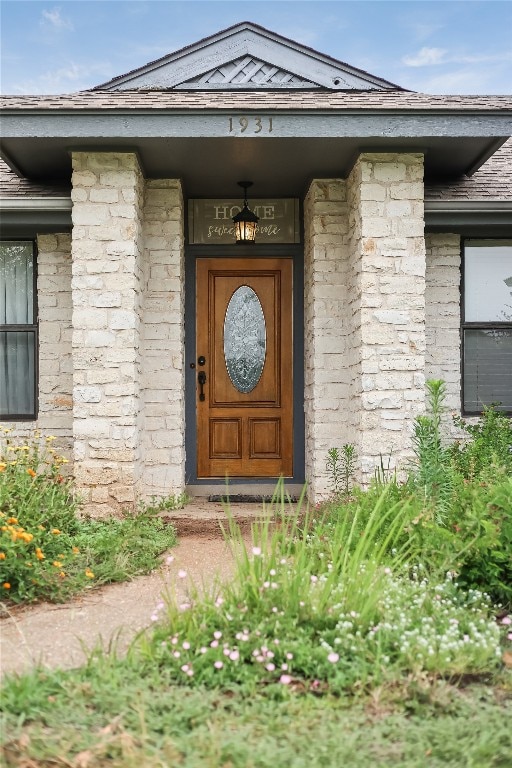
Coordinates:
250 124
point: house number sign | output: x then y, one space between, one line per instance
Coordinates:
211 221
250 124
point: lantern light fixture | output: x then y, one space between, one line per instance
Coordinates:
245 221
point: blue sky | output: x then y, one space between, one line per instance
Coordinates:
438 46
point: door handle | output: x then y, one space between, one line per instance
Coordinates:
201 378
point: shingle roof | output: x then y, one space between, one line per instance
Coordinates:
255 100
12 185
493 181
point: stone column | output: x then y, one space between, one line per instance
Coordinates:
164 366
325 328
106 289
387 305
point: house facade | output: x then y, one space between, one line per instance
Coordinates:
165 355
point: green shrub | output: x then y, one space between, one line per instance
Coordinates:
46 551
488 448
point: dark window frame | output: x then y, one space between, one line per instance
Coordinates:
27 328
475 326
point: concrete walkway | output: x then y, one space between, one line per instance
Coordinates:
63 635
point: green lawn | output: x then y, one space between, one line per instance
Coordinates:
107 715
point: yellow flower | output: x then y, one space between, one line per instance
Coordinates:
57 564
31 472
62 575
55 531
24 448
65 461
2 555
39 554
50 438
75 550
41 527
6 585
2 466
27 537
12 520
89 574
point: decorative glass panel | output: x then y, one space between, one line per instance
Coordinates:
488 281
487 369
245 339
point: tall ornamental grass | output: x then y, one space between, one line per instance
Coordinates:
323 613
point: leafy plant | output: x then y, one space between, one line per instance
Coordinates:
432 475
341 466
489 445
46 551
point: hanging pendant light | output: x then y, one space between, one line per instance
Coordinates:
245 221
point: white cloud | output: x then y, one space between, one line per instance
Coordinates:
70 78
53 18
426 57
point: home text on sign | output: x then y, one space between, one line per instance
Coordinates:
211 221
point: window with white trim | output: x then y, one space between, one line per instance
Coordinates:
18 331
487 325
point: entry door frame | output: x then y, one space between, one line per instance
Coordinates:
192 253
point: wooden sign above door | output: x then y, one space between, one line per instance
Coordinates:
211 221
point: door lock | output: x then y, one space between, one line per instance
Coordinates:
201 378
201 360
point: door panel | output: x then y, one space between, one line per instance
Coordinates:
245 422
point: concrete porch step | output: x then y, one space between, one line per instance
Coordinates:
201 517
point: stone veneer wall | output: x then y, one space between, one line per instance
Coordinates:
163 362
55 384
107 199
386 283
325 328
442 299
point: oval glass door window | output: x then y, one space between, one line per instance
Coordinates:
245 339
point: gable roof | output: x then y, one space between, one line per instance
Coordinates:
246 56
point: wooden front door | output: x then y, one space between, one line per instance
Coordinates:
244 371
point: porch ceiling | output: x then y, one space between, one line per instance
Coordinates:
279 166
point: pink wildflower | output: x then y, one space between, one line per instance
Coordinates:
506 620
333 658
285 679
256 551
182 574
218 664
